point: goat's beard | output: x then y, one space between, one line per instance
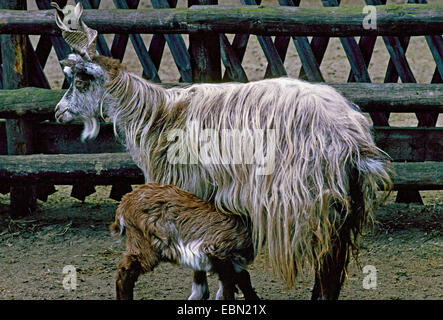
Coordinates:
91 129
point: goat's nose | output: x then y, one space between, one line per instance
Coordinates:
57 113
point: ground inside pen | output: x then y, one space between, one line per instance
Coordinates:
403 246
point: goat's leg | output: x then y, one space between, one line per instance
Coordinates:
332 272
219 295
226 274
127 274
200 288
330 277
243 280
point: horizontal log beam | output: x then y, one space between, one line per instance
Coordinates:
101 169
39 104
107 168
418 175
32 103
394 97
410 144
394 20
401 143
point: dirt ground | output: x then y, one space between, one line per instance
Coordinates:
405 246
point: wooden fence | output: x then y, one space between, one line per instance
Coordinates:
37 153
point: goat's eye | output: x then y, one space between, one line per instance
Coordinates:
81 84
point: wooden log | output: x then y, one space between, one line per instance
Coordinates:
402 144
392 20
107 168
310 57
239 45
408 196
318 46
404 71
355 57
118 190
149 68
234 69
43 49
275 66
19 133
397 66
281 45
39 104
275 63
44 190
310 65
411 144
17 65
1 70
52 138
82 189
60 46
364 51
176 44
29 102
204 48
418 175
101 169
5 188
435 43
366 46
37 77
3 139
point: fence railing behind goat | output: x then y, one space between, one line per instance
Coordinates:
201 61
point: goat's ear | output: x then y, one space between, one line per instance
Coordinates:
78 10
67 63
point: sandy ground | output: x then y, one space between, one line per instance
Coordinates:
405 246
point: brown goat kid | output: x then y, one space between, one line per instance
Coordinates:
164 223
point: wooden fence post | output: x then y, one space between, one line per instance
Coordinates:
205 51
15 58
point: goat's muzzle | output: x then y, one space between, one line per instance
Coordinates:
61 113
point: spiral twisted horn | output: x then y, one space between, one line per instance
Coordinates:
76 33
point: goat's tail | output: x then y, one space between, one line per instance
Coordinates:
369 174
117 228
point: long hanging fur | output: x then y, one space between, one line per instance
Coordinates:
319 140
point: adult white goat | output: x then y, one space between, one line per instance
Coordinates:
308 196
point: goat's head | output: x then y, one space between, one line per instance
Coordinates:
83 98
83 70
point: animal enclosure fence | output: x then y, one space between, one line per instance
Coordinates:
38 153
